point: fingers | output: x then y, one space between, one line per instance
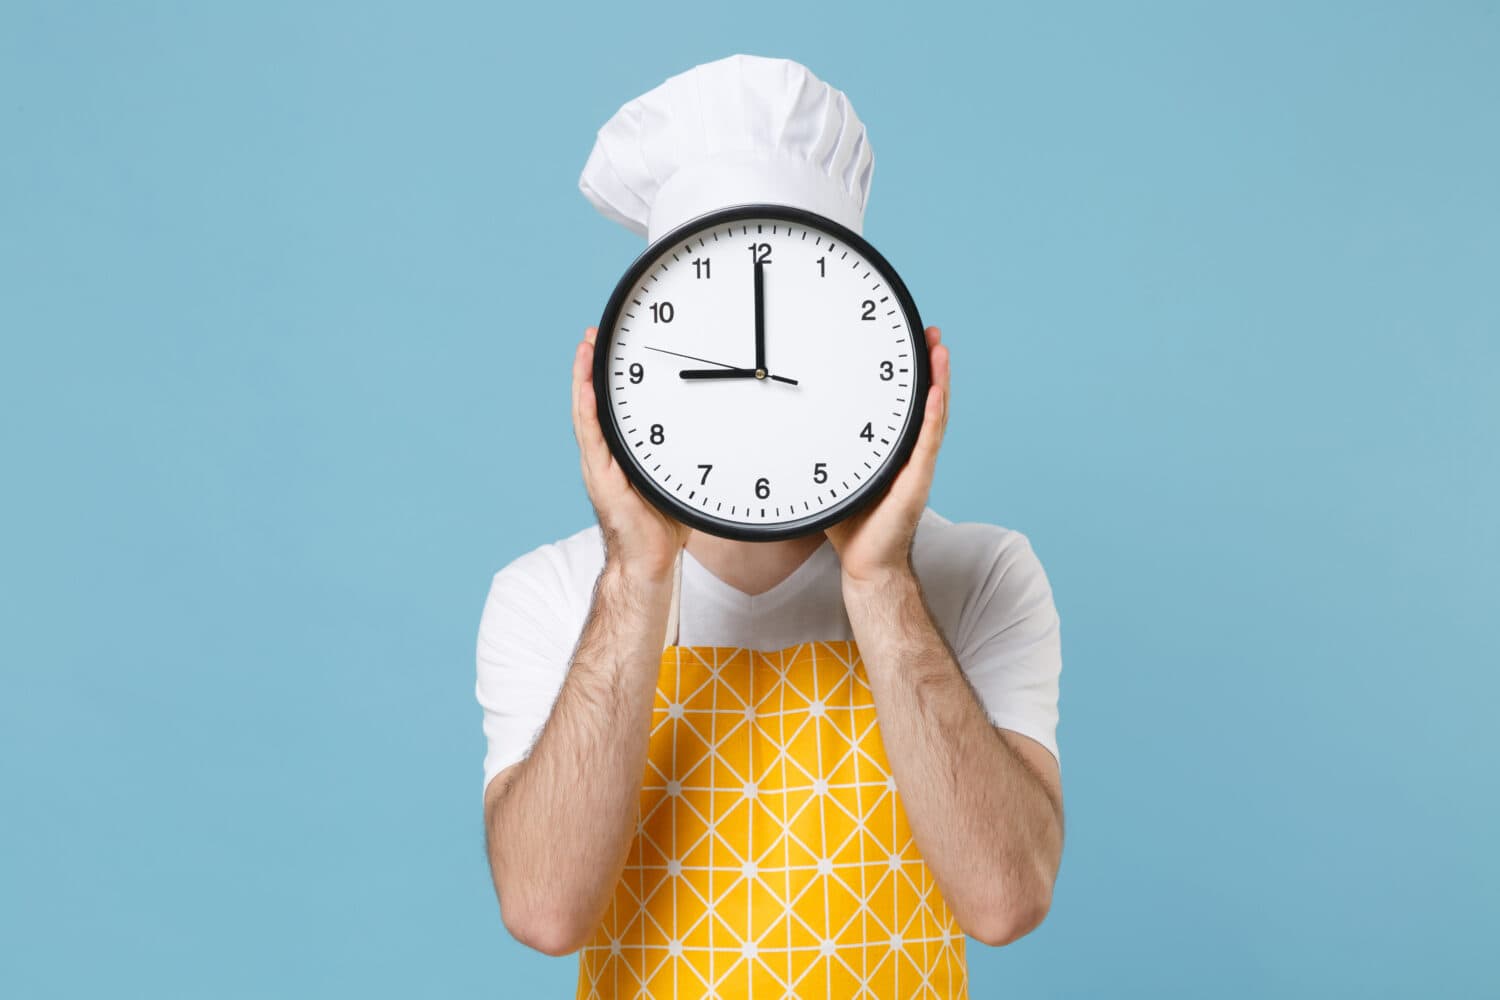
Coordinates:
943 379
592 447
935 416
915 480
582 359
934 423
938 358
593 436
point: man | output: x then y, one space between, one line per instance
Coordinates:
625 810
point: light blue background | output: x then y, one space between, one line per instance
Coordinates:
288 294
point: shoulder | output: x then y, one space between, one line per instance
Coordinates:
535 609
552 582
968 553
558 564
972 571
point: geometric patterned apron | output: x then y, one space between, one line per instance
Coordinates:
772 856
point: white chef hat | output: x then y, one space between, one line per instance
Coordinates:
741 130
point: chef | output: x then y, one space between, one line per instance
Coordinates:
811 767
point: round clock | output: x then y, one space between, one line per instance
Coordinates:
761 373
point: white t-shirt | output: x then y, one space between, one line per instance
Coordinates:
984 585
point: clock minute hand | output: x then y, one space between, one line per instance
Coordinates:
760 327
760 314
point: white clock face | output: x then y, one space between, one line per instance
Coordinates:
759 439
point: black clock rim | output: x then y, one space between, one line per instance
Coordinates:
873 489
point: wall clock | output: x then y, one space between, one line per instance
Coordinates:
761 373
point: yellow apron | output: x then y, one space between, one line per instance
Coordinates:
772 856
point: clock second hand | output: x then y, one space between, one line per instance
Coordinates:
679 354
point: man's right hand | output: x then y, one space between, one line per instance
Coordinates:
639 540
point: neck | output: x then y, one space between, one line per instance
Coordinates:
751 567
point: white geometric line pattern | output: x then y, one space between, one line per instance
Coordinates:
772 856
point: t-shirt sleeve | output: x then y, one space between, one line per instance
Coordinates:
1011 647
526 641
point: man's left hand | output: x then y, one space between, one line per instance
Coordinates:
876 543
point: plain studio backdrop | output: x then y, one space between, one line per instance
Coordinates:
288 296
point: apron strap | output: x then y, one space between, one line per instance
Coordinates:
673 625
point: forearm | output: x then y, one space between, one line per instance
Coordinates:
982 818
559 833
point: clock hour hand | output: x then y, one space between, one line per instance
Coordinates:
722 373
718 373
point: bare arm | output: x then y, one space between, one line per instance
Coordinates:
559 823
985 805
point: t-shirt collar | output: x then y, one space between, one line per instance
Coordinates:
809 571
